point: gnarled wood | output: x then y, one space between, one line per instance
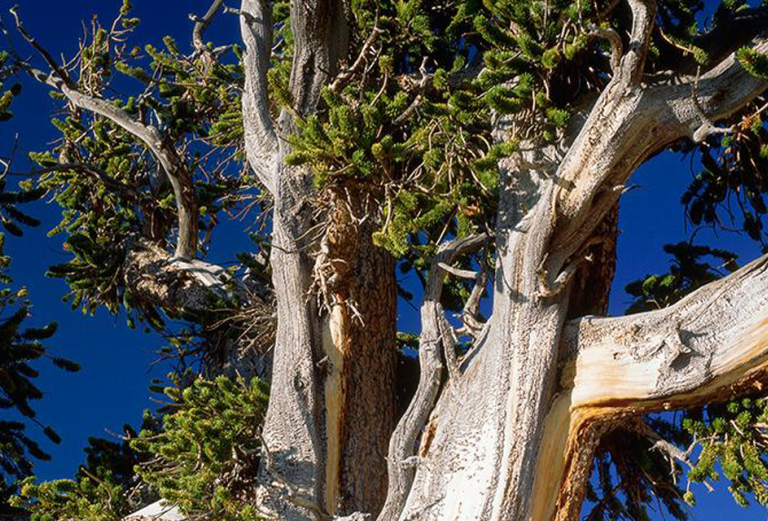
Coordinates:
402 461
492 432
331 408
707 347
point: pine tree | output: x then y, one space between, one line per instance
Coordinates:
20 345
481 148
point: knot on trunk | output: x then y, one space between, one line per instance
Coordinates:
173 284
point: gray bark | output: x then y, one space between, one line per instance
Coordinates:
331 407
496 435
504 434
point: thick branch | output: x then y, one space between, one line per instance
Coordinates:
628 125
614 39
633 63
172 164
403 441
704 348
174 284
261 144
174 167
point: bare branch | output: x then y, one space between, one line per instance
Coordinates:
445 256
449 341
435 332
704 348
463 274
60 73
201 24
261 144
420 87
613 38
472 325
670 451
707 127
624 128
633 63
344 76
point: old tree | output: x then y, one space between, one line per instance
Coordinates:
482 149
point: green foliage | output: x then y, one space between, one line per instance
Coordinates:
409 133
88 499
203 456
123 196
20 345
732 436
205 459
20 348
753 61
687 273
733 176
104 489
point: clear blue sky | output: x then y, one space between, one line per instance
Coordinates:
111 389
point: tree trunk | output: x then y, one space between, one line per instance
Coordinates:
332 406
512 431
490 438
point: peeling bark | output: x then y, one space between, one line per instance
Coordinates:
510 432
331 409
514 449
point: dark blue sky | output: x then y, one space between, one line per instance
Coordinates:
111 388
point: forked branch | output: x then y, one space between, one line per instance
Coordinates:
432 338
624 130
705 348
162 150
201 24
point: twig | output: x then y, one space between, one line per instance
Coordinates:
422 85
39 48
613 38
707 127
201 24
344 76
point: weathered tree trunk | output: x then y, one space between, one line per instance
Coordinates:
508 434
490 438
332 403
331 407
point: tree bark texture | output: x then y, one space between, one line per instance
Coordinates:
332 406
508 433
